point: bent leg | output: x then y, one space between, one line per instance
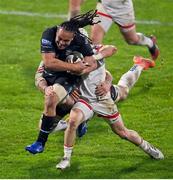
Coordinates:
81 112
99 30
119 128
127 81
134 38
97 34
75 119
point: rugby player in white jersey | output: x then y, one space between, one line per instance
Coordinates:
90 104
121 12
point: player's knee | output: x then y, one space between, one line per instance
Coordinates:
122 134
51 101
123 93
72 125
60 92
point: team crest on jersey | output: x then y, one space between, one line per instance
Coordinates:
46 42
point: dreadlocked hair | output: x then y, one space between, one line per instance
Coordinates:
80 21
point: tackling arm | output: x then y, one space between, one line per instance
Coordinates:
40 82
55 64
105 51
104 87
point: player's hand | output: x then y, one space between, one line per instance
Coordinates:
103 88
89 60
108 50
77 68
75 95
91 64
48 91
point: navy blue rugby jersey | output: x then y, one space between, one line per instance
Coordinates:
80 43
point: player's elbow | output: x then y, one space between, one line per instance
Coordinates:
48 59
48 64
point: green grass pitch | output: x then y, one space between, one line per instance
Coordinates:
99 154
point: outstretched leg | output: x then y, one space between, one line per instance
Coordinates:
128 80
133 38
132 136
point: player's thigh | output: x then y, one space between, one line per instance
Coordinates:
104 18
118 125
74 4
122 12
85 109
76 117
97 34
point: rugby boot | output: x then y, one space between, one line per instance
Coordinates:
63 164
36 147
144 62
154 50
82 129
152 151
62 125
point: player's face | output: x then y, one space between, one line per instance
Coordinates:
63 38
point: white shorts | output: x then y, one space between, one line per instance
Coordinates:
105 109
120 12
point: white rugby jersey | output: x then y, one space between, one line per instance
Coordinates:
90 82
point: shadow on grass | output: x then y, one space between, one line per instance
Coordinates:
47 170
144 168
144 89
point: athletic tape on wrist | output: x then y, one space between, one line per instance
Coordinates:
98 56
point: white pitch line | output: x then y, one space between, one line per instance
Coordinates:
154 23
23 13
64 16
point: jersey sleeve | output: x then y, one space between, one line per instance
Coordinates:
47 42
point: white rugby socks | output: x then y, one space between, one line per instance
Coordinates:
68 151
144 40
130 78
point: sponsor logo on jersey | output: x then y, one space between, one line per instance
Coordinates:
46 42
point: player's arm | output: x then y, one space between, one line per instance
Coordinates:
49 56
42 85
87 51
105 51
104 87
40 82
91 64
55 64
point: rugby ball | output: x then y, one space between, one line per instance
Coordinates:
74 57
